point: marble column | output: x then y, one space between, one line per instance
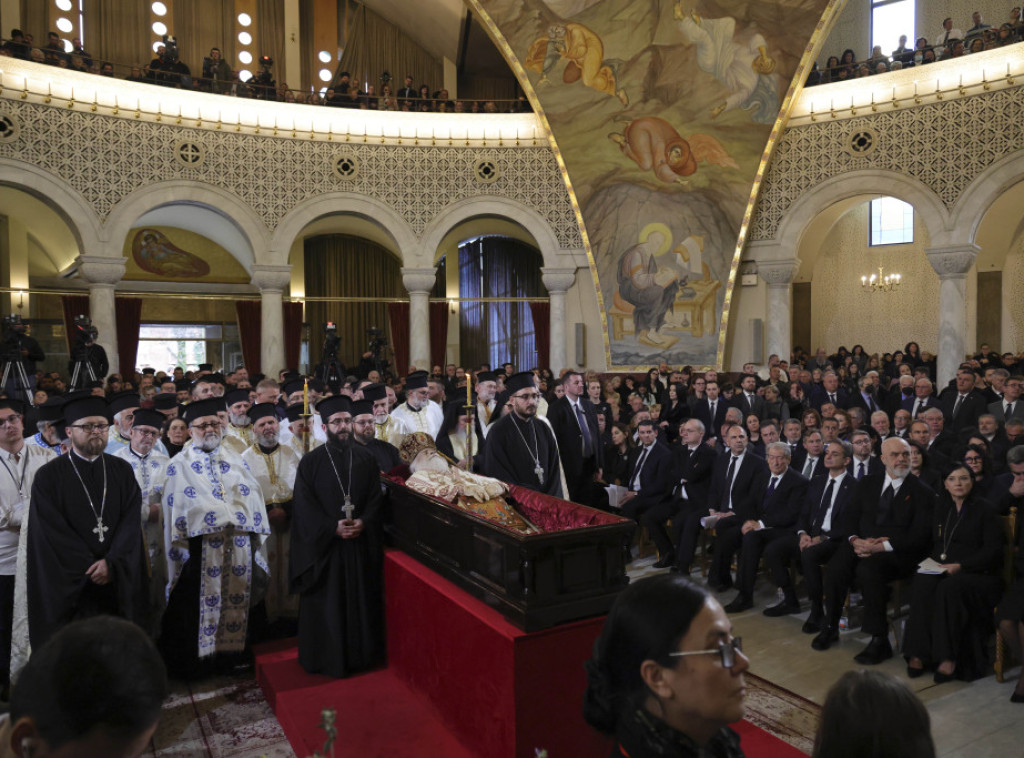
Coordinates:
419 282
103 274
951 263
557 281
778 275
271 281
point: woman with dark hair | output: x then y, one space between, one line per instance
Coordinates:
868 714
967 545
920 467
697 388
675 411
980 463
175 435
811 420
773 406
666 678
616 455
848 58
859 357
752 423
912 354
831 67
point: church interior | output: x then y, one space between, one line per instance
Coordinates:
777 206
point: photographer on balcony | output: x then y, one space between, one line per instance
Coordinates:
262 86
216 73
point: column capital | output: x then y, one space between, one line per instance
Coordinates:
778 273
271 277
419 280
101 270
557 279
952 261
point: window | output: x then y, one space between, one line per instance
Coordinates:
164 346
889 20
890 222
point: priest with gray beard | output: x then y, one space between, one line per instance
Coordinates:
217 528
363 425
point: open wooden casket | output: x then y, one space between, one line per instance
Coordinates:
572 570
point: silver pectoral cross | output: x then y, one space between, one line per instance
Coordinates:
348 508
99 530
539 471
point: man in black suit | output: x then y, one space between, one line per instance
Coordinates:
778 508
962 406
807 460
792 435
829 392
940 439
695 462
408 92
865 397
737 487
863 462
579 439
922 399
747 399
889 525
710 410
1009 406
818 536
650 483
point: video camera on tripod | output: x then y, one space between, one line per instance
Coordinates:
82 358
12 358
375 346
330 371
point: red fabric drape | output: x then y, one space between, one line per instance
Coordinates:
541 313
128 314
73 305
438 332
250 332
292 334
398 315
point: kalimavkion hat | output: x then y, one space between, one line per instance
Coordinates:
332 405
83 407
520 381
146 417
262 410
211 406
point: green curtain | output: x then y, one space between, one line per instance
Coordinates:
375 45
341 266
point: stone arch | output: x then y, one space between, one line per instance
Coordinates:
61 197
986 188
500 207
872 182
340 203
183 192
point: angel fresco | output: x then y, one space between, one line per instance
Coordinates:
654 145
584 51
744 68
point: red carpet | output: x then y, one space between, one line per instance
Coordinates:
757 743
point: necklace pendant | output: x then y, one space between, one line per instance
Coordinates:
99 530
348 508
539 471
942 557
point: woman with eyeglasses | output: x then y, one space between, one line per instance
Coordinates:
666 678
978 461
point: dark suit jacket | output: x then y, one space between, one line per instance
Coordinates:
756 406
781 509
908 523
856 400
996 409
812 515
819 397
655 478
907 404
800 458
702 411
973 406
696 469
570 438
748 484
874 466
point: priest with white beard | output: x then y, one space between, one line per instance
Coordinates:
299 434
386 428
419 412
274 465
217 528
240 423
150 467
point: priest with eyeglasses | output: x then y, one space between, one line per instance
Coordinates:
84 550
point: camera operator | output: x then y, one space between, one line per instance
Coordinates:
330 371
262 85
86 355
18 347
216 73
172 72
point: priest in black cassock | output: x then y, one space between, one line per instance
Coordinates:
84 551
363 432
337 557
521 448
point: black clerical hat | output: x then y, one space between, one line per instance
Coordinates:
416 380
18 406
520 381
51 410
360 407
334 404
208 379
315 385
149 371
211 406
205 367
165 401
261 410
486 376
294 412
78 408
375 392
236 396
147 417
292 386
180 385
123 400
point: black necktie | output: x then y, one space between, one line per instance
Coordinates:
727 495
635 484
832 398
585 429
1009 411
771 488
825 504
860 470
885 505
959 404
712 412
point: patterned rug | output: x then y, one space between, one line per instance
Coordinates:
216 718
778 711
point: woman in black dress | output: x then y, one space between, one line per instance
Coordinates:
616 455
674 412
967 543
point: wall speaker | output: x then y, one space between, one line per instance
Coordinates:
581 344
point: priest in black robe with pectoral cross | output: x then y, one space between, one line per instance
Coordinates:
84 553
521 448
337 557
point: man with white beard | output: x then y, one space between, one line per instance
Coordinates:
297 428
386 428
217 528
150 467
486 388
418 411
274 465
239 423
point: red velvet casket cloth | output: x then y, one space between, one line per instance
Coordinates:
550 514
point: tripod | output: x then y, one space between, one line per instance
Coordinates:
329 372
79 374
20 378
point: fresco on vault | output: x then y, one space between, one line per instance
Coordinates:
661 111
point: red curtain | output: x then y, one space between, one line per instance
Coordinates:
292 334
541 313
73 306
250 331
398 315
128 315
438 332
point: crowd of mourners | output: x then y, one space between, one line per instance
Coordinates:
950 41
168 70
